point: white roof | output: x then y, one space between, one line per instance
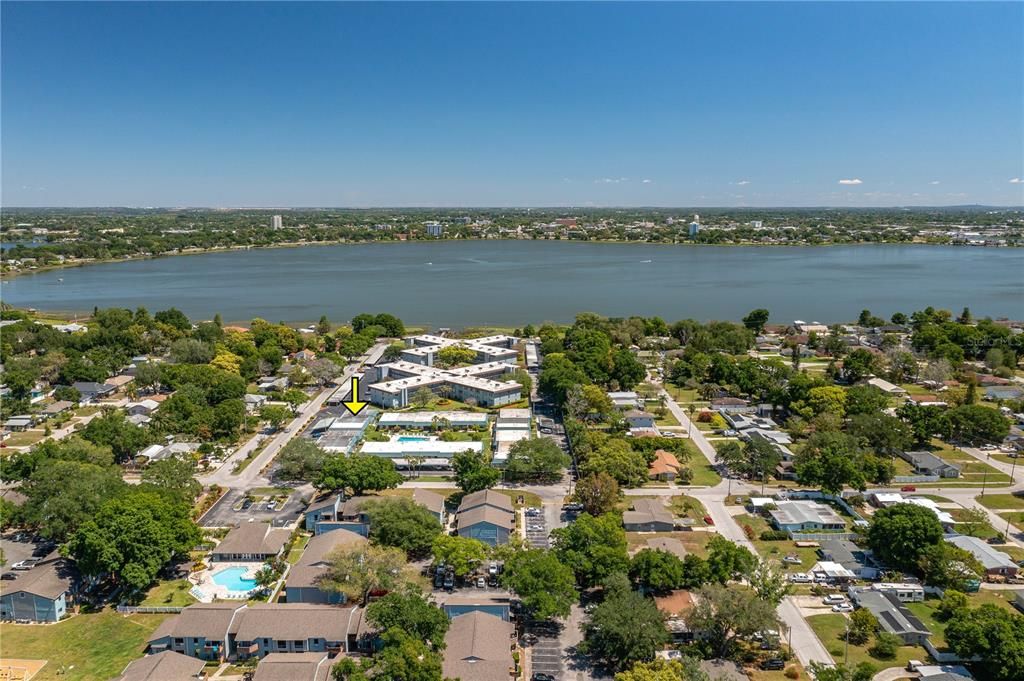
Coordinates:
510 435
832 569
427 417
428 448
758 502
885 385
988 556
944 517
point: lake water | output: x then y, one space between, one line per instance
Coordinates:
510 283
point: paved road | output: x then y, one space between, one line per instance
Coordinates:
253 473
802 638
1016 473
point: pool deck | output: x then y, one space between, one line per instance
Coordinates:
205 590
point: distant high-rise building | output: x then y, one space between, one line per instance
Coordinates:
756 224
695 226
275 222
434 228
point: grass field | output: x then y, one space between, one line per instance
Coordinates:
831 629
87 647
24 438
704 473
694 542
777 550
174 592
984 532
1002 502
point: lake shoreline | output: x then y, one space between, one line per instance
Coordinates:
4 276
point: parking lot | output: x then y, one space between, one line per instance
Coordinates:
536 528
224 513
545 649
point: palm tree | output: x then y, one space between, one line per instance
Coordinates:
265 578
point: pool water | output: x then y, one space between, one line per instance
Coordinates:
412 438
232 579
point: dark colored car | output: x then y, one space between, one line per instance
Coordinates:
540 676
773 664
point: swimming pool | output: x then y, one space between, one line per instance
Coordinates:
412 438
233 579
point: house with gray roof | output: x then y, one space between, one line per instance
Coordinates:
164 666
294 667
926 463
302 584
486 523
648 515
479 646
200 630
432 501
251 541
855 559
892 615
41 594
265 628
994 561
802 514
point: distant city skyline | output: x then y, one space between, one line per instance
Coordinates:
278 105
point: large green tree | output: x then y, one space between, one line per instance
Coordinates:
462 554
544 585
536 459
656 570
593 547
473 472
409 611
358 472
625 628
597 493
900 534
63 495
402 523
728 615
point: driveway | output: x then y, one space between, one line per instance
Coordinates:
223 513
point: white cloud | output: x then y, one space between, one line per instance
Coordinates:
611 180
934 182
646 181
743 182
853 181
1016 180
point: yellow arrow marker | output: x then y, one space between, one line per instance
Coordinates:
354 405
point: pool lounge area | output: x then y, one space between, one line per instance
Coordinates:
231 581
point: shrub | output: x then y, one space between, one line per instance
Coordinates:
886 645
749 531
774 535
792 673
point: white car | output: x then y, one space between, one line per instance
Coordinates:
834 599
988 448
800 578
842 607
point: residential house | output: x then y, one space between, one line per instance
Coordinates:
892 615
664 467
200 630
269 384
648 515
669 545
802 515
675 606
91 391
56 408
142 408
903 591
336 512
18 424
732 405
251 541
832 573
886 387
626 401
487 497
455 605
265 628
302 585
926 463
513 418
160 452
41 594
479 646
486 523
421 420
637 418
253 403
995 562
432 501
294 667
165 666
850 556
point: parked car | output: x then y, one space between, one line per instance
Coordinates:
26 564
988 448
842 607
708 520
481 582
8 575
833 599
449 582
540 676
908 488
800 578
774 664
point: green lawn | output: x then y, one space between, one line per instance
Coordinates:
24 439
688 507
694 542
831 629
777 550
297 548
984 532
704 473
927 608
529 498
94 646
1002 502
174 592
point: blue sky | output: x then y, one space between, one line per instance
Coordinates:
333 104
